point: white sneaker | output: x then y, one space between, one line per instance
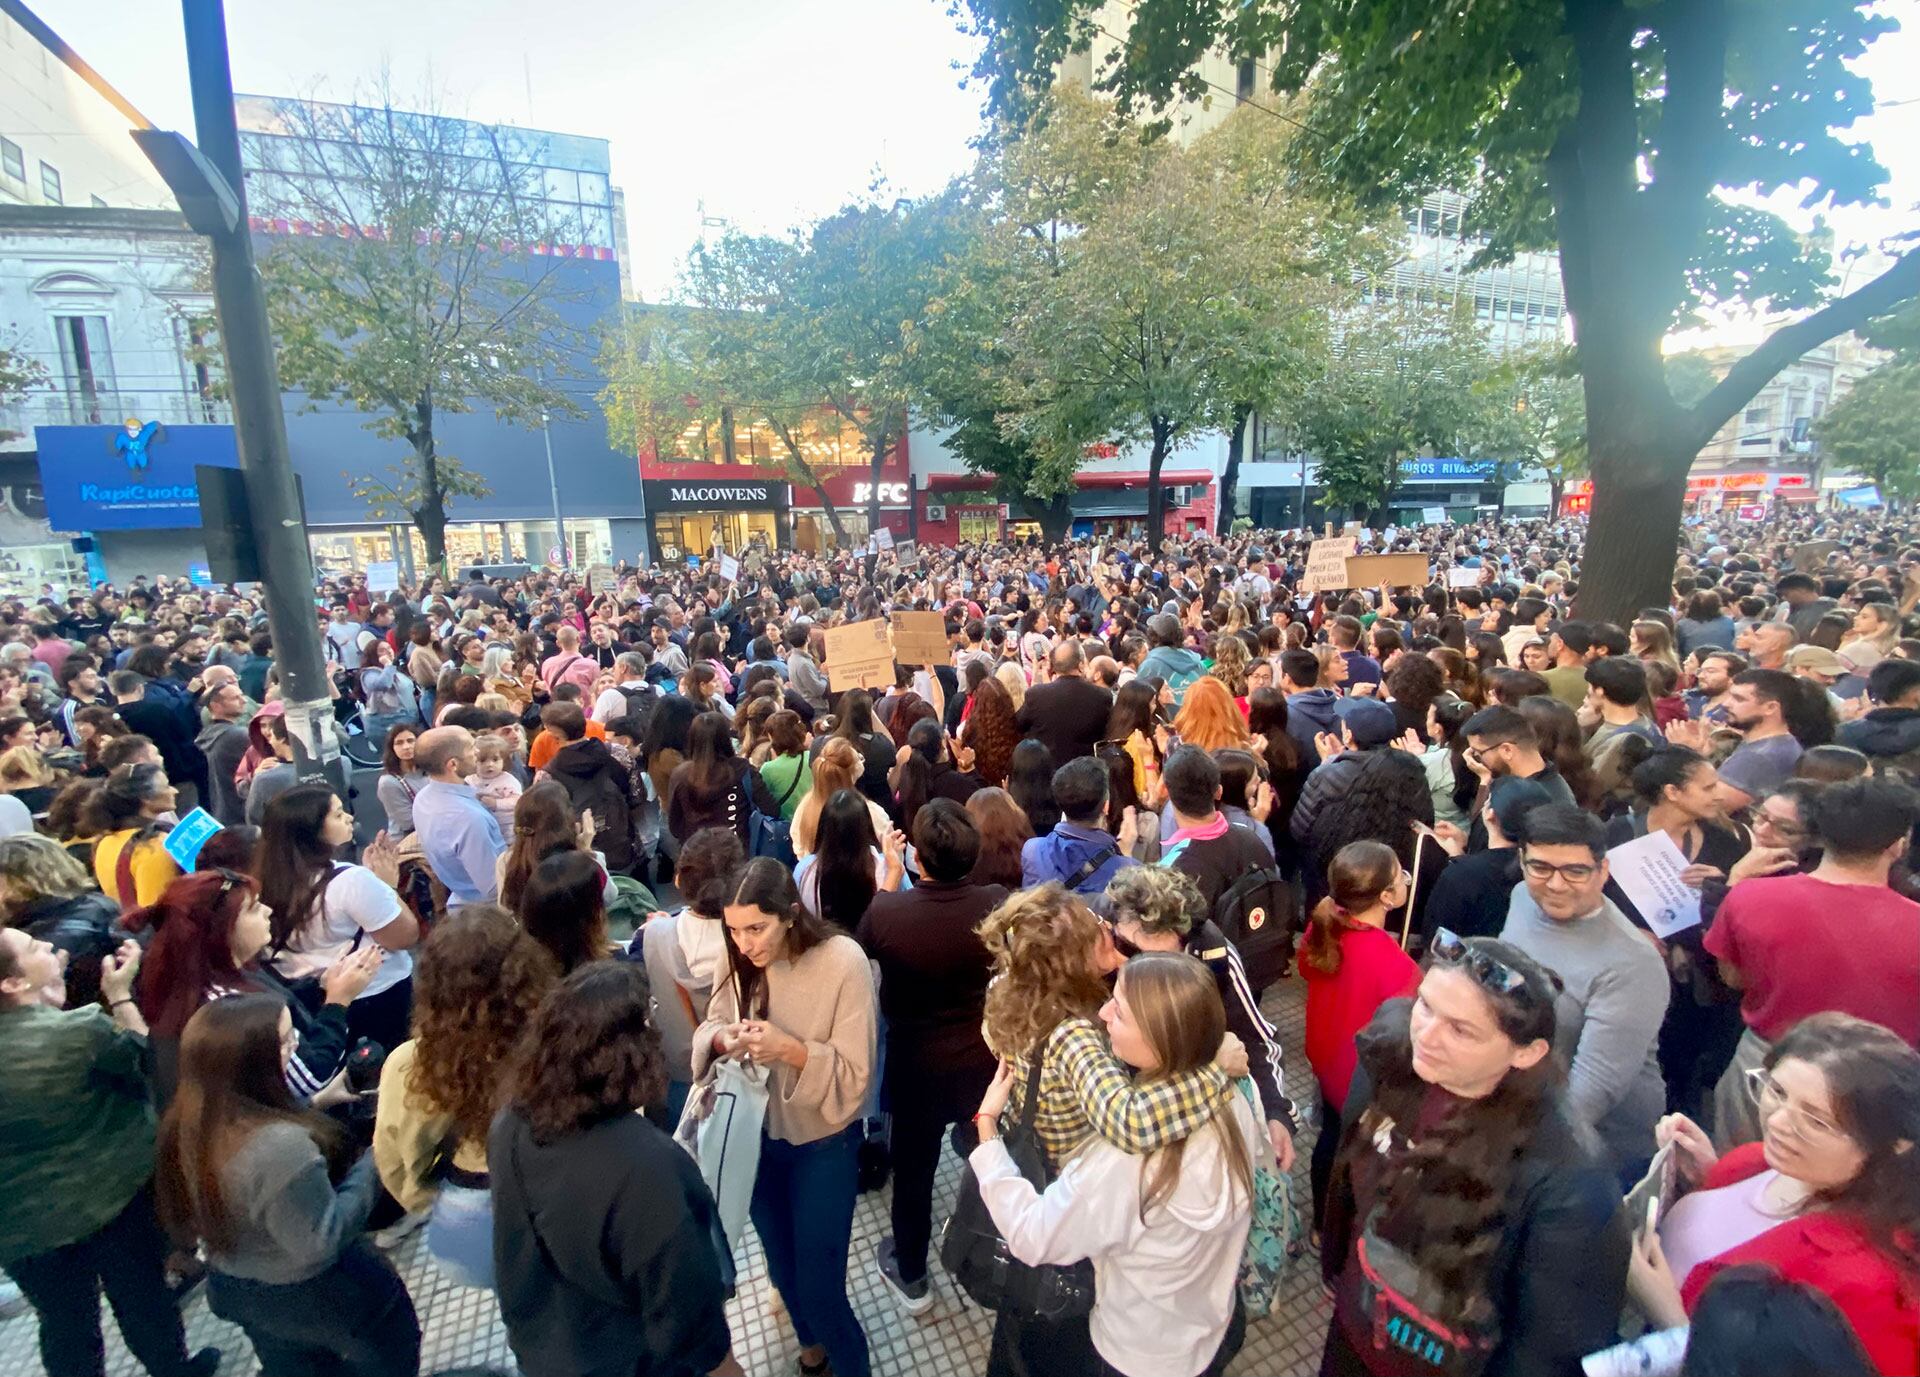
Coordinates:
12 1302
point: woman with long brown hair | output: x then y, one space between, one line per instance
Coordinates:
1465 1208
991 732
1210 719
275 1196
1351 966
1051 958
480 979
1165 1231
1004 831
714 786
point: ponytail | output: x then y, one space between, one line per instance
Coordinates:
1358 875
1321 948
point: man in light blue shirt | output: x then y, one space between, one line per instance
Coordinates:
458 833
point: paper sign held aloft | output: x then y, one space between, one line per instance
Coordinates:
1327 564
1434 516
383 576
1647 870
602 579
920 638
189 834
729 568
905 552
883 538
1396 571
1463 578
859 656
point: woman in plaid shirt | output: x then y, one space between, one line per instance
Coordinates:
1052 958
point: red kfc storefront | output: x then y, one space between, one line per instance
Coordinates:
694 507
960 507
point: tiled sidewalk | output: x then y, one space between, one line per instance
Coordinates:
461 1326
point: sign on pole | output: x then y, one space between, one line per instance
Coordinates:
859 656
1327 564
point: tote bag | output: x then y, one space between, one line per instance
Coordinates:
721 1127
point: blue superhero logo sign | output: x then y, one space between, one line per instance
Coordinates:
126 478
133 441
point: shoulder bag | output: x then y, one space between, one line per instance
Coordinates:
975 1255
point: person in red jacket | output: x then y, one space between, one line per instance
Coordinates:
1830 1195
1352 967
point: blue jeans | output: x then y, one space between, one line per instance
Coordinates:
803 1211
460 1234
379 724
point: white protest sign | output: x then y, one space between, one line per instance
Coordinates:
883 538
1434 516
383 576
1647 870
729 568
1463 578
1327 564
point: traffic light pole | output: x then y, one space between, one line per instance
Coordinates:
273 502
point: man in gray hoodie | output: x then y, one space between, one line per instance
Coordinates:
1616 985
223 741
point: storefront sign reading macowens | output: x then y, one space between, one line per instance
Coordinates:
718 493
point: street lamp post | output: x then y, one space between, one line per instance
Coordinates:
208 183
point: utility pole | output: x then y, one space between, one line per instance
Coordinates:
208 183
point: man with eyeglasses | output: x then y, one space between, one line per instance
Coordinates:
1608 1017
1835 940
1502 744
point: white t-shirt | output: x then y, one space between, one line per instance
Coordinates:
356 902
612 705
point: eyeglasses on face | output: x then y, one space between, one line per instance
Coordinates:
1576 874
1771 1098
1127 948
1487 970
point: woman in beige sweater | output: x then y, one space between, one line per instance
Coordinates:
798 999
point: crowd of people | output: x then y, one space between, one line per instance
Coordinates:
1036 901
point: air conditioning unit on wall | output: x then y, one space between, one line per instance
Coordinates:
936 511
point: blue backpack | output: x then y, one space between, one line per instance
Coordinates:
772 835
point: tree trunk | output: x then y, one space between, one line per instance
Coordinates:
1230 476
1634 531
1055 515
1556 488
1156 495
832 512
802 472
431 514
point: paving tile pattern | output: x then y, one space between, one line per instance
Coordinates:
461 1326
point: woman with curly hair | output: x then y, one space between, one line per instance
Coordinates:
603 1228
480 978
1051 959
990 732
1465 1209
1230 661
1210 719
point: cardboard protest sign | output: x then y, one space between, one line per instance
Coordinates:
1327 564
729 568
1396 571
602 579
859 656
1813 554
920 638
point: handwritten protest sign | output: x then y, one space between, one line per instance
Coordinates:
383 576
189 834
1463 577
859 656
920 638
1327 564
1396 571
883 538
729 568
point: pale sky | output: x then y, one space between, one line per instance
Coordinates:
765 113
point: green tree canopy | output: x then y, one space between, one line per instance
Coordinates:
1633 138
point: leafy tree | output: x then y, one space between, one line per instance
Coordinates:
1605 129
1396 382
20 373
422 288
714 359
1874 430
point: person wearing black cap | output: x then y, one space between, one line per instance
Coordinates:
1471 896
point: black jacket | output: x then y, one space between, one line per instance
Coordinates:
1470 897
933 974
603 1252
1244 1019
691 809
1891 735
595 781
86 927
1068 716
1559 1272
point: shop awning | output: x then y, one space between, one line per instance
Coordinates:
975 482
1120 503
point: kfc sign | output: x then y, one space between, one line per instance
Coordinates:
894 494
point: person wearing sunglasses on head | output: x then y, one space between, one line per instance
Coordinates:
1616 989
1469 1228
1829 1197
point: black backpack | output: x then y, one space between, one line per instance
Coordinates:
1259 915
